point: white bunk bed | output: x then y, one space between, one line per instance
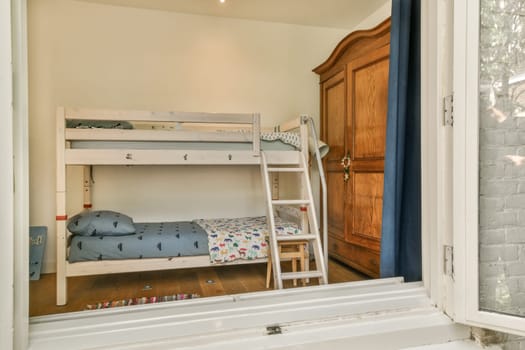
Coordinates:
156 140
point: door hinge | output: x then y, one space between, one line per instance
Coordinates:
448 110
448 261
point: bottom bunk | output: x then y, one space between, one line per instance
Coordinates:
108 242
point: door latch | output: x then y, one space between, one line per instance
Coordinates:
346 162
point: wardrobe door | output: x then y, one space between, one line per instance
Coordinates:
333 104
367 95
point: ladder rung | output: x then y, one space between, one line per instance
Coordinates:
286 170
290 201
300 237
300 275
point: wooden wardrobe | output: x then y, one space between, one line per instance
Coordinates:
354 93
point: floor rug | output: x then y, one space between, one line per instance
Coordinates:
140 301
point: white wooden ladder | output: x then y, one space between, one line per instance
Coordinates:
313 237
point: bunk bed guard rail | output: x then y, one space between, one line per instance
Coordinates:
157 127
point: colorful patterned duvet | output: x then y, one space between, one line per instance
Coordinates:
241 238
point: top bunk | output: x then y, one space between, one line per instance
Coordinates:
112 137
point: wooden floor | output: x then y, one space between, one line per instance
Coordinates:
211 281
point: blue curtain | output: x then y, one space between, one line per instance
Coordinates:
401 229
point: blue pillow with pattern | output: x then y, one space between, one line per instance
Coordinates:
101 223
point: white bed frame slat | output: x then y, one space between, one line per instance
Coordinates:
155 135
87 268
173 157
193 117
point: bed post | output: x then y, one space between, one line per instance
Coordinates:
305 138
61 217
87 186
256 134
303 130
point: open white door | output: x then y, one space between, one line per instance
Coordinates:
489 164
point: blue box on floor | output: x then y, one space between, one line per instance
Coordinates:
37 243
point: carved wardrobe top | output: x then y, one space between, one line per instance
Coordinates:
352 46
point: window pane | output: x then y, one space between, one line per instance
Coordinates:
502 157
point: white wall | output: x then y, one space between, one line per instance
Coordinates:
376 17
91 55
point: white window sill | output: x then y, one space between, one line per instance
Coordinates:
379 314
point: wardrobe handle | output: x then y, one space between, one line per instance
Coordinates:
346 162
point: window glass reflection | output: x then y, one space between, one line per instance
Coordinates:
502 156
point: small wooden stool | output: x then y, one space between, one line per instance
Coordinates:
293 250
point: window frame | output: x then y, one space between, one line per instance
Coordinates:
6 180
466 166
433 19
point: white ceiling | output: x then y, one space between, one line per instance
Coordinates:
323 13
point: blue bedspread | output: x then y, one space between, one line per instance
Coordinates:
151 240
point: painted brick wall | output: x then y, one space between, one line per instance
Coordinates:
502 213
502 157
